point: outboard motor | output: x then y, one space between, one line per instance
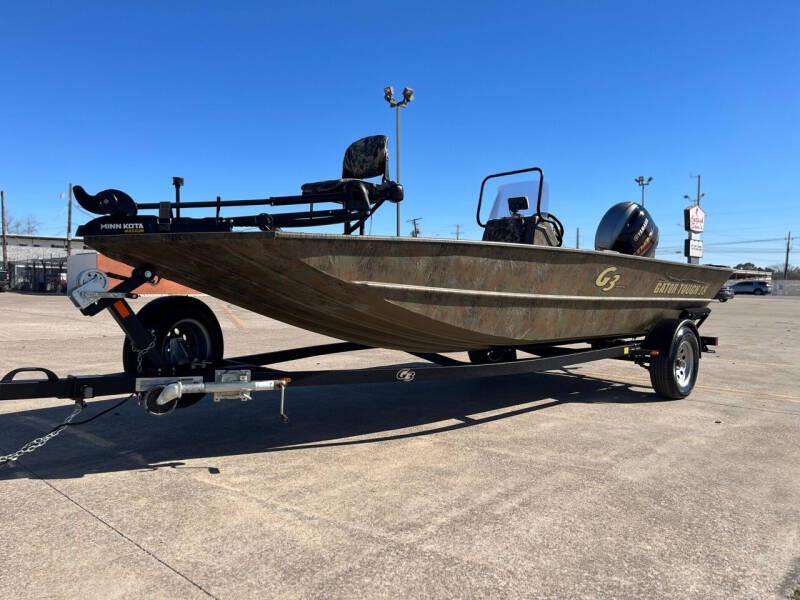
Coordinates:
629 229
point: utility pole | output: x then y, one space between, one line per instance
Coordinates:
3 218
699 195
642 183
415 231
69 222
786 264
578 237
457 232
408 96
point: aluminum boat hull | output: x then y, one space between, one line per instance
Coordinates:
425 295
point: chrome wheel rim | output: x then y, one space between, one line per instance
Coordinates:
684 364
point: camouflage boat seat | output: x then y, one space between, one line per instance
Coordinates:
364 158
519 229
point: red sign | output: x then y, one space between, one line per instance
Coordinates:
694 218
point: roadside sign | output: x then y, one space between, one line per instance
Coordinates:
694 218
693 248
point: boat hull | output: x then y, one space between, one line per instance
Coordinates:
423 295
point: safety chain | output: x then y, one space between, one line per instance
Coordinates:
140 353
41 441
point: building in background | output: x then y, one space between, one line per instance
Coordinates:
38 263
744 274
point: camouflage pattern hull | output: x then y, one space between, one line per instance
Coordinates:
425 295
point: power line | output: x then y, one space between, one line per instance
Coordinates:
736 243
780 239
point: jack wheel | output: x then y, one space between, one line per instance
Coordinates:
151 406
674 373
186 334
493 356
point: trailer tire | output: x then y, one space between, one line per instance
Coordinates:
179 323
674 373
493 356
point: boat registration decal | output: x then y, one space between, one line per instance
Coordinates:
607 279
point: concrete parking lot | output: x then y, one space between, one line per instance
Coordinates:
578 483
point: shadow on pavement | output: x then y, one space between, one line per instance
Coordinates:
129 439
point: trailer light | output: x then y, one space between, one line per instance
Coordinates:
287 379
654 352
121 309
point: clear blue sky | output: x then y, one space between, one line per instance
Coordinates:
250 100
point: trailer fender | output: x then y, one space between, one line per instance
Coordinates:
661 336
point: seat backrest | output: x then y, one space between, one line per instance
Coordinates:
367 157
521 230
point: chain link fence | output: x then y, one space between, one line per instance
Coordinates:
39 275
788 287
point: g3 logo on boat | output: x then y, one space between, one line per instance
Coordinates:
606 279
405 375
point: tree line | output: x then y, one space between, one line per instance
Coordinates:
777 270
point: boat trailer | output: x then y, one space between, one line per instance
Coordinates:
164 373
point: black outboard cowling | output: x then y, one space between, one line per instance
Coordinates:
627 228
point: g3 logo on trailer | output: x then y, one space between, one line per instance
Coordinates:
607 280
405 375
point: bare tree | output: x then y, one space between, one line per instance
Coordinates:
30 226
793 272
12 224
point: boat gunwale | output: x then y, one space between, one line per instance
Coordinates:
277 235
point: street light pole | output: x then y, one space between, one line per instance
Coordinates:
69 221
397 160
642 183
408 96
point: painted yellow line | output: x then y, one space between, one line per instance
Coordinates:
711 388
239 323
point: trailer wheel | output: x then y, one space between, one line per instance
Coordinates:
495 355
186 334
674 373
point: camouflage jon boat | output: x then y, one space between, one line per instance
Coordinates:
424 295
516 287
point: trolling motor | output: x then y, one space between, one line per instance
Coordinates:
108 202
